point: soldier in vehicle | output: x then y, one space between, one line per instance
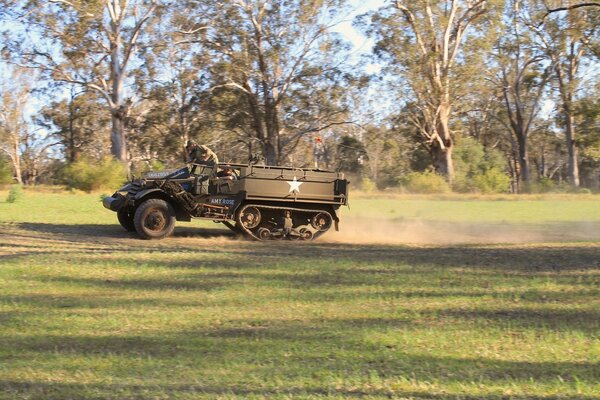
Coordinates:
200 155
226 174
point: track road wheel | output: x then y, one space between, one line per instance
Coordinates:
250 217
126 220
154 219
321 221
264 234
305 234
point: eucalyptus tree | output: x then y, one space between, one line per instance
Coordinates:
566 39
173 103
588 116
433 47
90 43
14 96
276 69
521 79
76 125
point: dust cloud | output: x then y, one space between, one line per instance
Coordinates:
369 230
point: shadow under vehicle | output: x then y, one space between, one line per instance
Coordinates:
254 202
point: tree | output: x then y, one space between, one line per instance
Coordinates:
175 99
15 92
521 80
77 126
424 42
588 114
89 43
276 69
351 155
565 39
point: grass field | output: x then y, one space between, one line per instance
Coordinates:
456 310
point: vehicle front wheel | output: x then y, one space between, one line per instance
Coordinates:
154 219
126 220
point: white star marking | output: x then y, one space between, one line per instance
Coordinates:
294 186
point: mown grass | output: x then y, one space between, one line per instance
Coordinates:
89 311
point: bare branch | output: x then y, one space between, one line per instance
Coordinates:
571 7
134 35
410 18
192 31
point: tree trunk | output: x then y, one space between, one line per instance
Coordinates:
118 140
525 175
117 108
442 155
16 160
271 153
572 149
272 145
442 161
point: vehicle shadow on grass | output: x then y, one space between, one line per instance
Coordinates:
116 231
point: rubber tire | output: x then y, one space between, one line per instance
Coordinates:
150 206
126 220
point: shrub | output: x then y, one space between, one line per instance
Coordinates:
15 194
6 174
89 175
368 185
543 185
425 183
491 181
478 169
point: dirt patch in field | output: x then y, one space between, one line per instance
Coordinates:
352 231
368 230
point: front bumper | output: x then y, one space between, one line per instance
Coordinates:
114 202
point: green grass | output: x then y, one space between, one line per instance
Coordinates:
89 311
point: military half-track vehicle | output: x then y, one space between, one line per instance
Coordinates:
259 202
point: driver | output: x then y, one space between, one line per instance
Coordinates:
226 174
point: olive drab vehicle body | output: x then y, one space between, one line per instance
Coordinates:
257 201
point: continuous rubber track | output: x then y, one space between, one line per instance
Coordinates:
269 215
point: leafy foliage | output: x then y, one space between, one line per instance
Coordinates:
478 170
90 175
425 48
425 183
6 173
275 70
351 155
261 76
15 193
492 180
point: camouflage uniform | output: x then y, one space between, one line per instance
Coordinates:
202 155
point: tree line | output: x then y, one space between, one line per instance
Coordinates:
491 95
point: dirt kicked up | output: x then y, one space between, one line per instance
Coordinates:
378 230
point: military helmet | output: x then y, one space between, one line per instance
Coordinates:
191 143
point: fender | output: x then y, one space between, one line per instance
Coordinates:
143 193
241 196
180 213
